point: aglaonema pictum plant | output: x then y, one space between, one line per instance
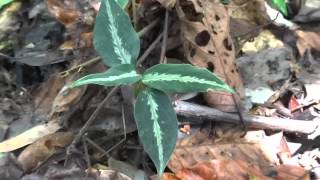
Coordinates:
118 44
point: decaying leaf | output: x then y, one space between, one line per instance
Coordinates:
308 40
188 156
52 97
43 148
65 11
253 11
227 169
207 43
29 136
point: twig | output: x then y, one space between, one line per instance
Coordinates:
90 121
86 151
148 51
291 125
148 27
80 66
164 39
134 13
123 139
95 145
6 56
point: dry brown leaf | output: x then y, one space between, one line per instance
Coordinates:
29 136
221 170
44 95
43 148
64 11
308 40
53 97
200 147
291 172
85 42
167 176
207 43
240 170
188 156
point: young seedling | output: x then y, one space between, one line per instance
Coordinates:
118 45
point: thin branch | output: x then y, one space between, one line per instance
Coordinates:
164 39
95 145
291 125
150 48
86 153
147 28
134 13
94 115
123 139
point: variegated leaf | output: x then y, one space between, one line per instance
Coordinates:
122 3
123 74
182 78
114 37
157 126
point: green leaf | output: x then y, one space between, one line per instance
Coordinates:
114 37
157 126
225 2
182 78
4 2
123 74
122 3
281 6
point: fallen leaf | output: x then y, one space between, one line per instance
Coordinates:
43 148
220 170
207 43
29 136
253 11
240 170
200 147
64 11
308 40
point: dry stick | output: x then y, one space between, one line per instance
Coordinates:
86 153
291 125
150 48
95 145
122 140
99 148
163 59
134 13
89 122
80 66
6 56
148 27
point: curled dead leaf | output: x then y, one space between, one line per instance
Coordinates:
43 148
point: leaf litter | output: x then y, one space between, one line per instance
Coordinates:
274 73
